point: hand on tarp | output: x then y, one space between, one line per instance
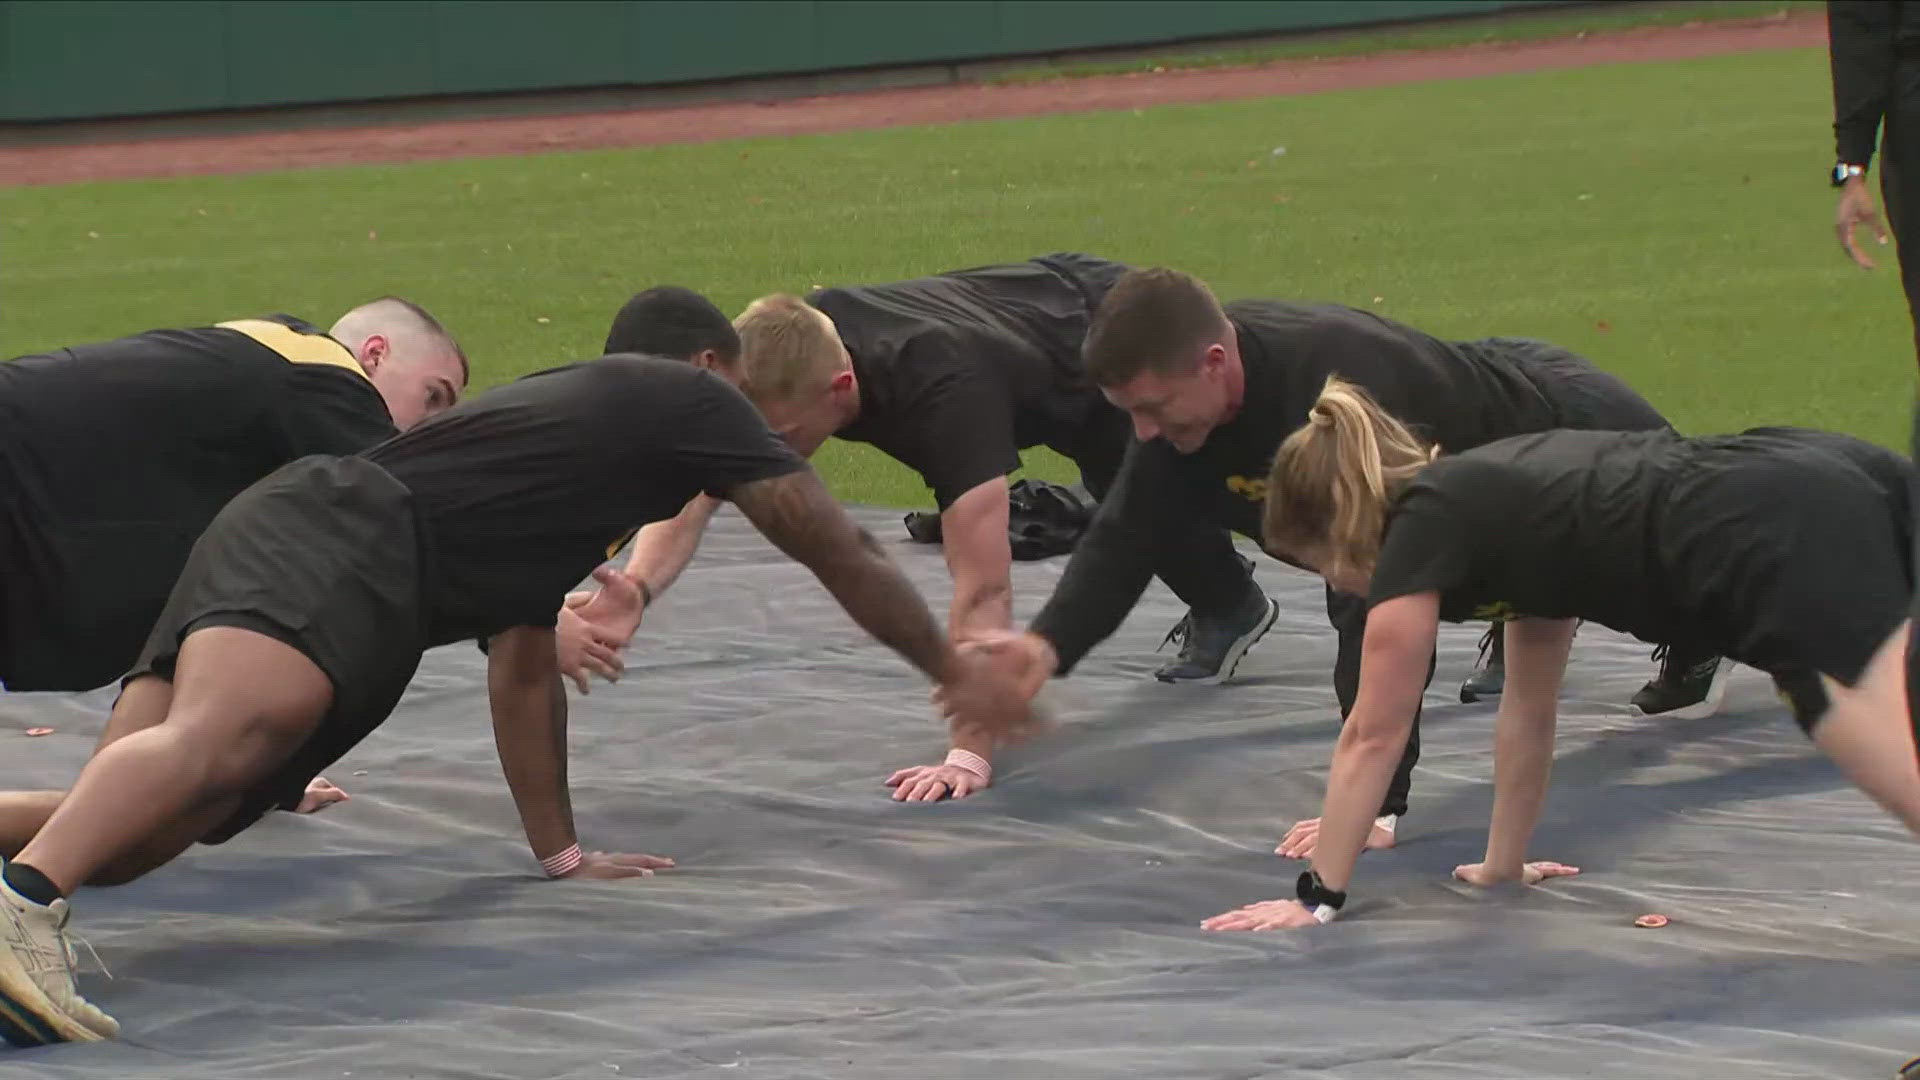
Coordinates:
1265 915
931 783
594 627
1532 873
606 866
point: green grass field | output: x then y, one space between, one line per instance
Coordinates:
1671 220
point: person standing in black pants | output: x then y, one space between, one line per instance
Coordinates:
1874 49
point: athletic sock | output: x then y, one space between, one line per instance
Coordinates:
30 883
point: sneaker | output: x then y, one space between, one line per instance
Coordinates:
1489 676
1909 1071
1687 688
1211 649
39 1003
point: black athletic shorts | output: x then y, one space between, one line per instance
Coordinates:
1582 395
1822 573
322 555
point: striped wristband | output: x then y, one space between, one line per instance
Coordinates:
563 863
972 762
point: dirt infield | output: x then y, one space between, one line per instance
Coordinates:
150 157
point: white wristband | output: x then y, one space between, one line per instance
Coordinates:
563 863
1386 821
1325 912
972 762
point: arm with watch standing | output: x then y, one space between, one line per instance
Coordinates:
1861 54
1393 676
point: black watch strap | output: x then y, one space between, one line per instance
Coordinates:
1314 895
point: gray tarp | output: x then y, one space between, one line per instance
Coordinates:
1045 929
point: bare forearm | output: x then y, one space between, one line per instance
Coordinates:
663 549
1393 668
880 599
980 606
970 737
1523 736
1356 785
530 734
796 512
1522 766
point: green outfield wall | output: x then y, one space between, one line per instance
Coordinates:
88 59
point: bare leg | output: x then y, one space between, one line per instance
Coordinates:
140 706
242 702
1867 733
23 813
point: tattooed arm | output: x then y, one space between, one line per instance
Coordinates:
797 513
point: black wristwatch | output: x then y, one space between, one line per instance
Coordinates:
1314 895
1844 172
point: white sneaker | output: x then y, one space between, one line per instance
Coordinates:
38 998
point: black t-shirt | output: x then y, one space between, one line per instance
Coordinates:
1460 394
526 488
1553 525
114 456
1666 538
961 371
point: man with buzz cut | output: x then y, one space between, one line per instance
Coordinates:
115 455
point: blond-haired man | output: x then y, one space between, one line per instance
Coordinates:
954 374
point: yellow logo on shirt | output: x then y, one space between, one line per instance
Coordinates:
614 548
294 346
1252 490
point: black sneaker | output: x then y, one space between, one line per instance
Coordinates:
1489 676
1211 649
1689 686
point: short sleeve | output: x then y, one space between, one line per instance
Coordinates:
955 427
721 441
1427 548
